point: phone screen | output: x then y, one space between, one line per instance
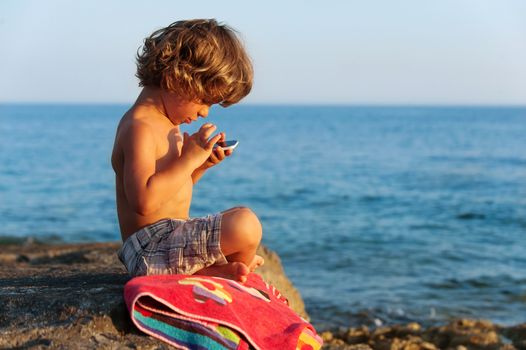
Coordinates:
226 143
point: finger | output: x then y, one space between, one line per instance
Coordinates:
219 153
185 137
208 131
213 141
228 152
205 127
213 158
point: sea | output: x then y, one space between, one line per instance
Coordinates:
380 214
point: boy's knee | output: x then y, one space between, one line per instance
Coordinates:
247 225
249 222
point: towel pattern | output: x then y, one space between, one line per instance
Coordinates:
202 312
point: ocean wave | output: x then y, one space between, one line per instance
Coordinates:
470 216
481 282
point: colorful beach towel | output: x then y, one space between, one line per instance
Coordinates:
201 312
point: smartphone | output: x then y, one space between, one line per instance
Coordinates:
227 145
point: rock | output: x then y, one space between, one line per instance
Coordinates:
474 334
458 335
70 296
516 334
357 335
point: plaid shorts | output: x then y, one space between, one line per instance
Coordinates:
173 246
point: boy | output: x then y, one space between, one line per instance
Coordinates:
183 69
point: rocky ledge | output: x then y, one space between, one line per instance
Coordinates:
457 335
70 297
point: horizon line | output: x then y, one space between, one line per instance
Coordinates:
281 104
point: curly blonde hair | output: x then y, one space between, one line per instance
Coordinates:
200 59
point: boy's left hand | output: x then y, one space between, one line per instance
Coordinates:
217 156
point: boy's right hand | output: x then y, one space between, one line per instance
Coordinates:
198 146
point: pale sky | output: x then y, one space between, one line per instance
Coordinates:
304 52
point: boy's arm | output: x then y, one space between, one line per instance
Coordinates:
147 189
217 156
197 174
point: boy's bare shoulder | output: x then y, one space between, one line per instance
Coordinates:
136 127
133 129
134 132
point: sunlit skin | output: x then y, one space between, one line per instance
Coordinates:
156 167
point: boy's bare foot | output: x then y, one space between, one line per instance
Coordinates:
236 271
256 262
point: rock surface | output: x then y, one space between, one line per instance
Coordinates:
70 296
458 335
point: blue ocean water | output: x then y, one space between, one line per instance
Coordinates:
380 214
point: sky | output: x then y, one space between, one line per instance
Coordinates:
416 52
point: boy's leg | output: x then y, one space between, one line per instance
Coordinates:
241 234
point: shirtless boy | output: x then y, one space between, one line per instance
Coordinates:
183 69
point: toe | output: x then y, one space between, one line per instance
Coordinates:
242 272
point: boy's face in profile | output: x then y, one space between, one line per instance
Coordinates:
182 111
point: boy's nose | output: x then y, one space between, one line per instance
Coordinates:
203 113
